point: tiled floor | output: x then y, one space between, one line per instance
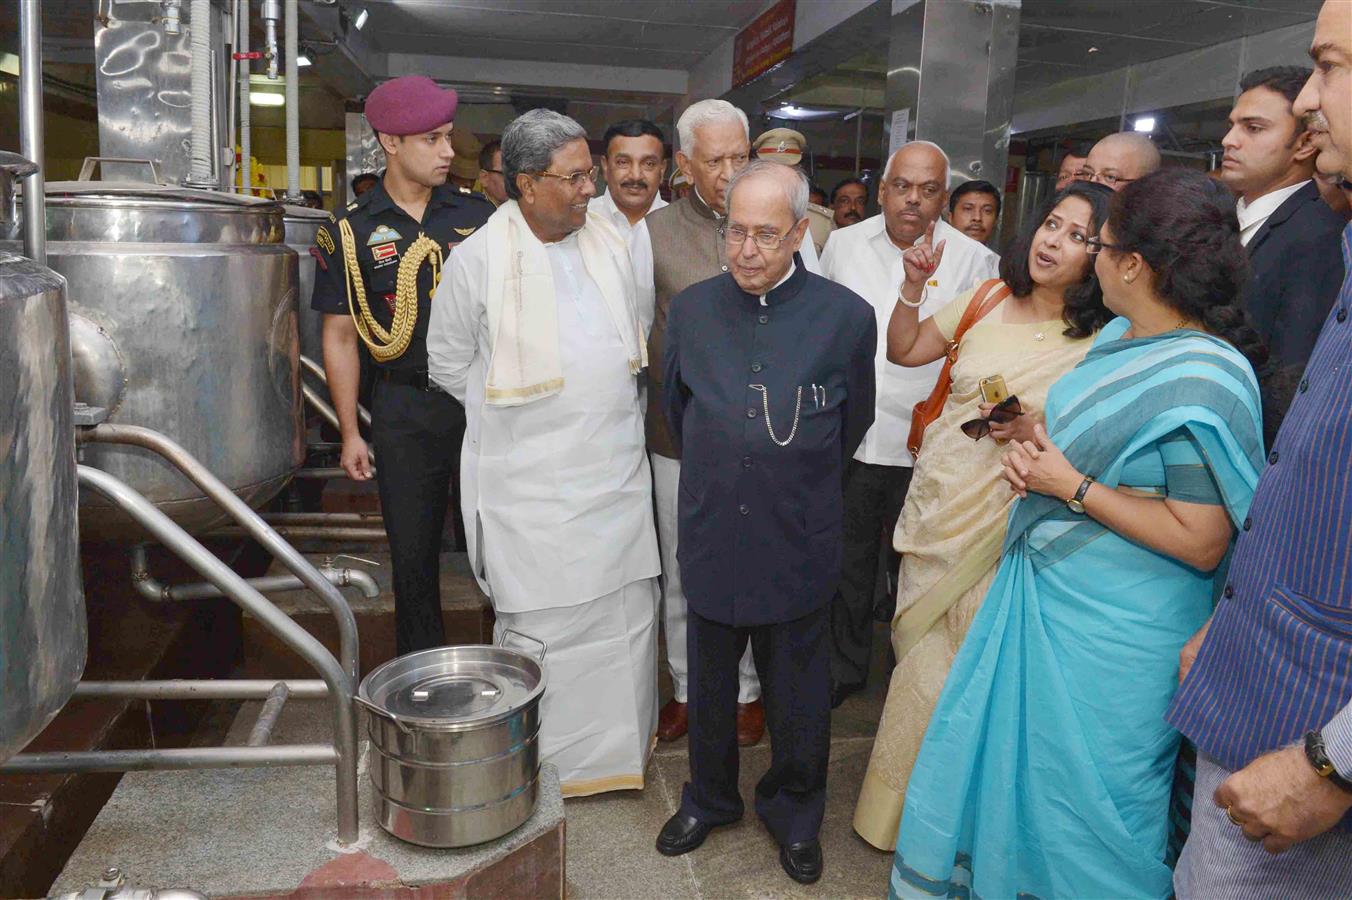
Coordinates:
610 837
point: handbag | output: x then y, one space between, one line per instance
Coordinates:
928 410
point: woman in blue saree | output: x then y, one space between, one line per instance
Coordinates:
1047 766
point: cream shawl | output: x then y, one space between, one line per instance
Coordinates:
522 308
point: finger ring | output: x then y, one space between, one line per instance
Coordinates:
1230 814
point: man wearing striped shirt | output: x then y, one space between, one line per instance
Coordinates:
1268 701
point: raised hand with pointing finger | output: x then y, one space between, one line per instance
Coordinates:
921 262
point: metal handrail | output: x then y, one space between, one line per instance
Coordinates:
342 754
250 521
315 369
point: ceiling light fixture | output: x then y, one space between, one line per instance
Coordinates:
302 60
360 21
1144 124
1093 50
258 98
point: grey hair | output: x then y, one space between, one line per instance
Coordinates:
948 165
707 112
796 192
529 142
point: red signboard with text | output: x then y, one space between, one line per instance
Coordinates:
766 41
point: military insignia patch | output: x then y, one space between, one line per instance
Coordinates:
324 239
383 234
384 251
466 232
351 206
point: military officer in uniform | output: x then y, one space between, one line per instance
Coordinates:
377 267
787 147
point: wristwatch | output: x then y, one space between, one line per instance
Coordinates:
1319 758
1076 503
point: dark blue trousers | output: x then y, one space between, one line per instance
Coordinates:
793 661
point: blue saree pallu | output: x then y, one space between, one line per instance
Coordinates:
1046 768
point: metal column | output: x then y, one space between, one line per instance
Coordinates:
30 130
950 67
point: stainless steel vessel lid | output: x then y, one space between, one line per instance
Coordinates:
454 687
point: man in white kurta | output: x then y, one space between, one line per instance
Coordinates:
556 485
866 258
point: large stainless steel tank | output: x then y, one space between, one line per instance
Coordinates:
183 319
42 614
301 225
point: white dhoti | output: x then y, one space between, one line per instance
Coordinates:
666 480
598 717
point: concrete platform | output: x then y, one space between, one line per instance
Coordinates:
268 833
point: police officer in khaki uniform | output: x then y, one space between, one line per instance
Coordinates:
377 267
786 146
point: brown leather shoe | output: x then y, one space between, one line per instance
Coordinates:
750 723
673 721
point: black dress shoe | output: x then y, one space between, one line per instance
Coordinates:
682 834
803 861
840 691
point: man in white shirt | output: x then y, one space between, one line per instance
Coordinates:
534 328
867 259
634 161
1291 235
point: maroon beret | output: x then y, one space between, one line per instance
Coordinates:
413 104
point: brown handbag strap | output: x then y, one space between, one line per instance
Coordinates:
984 300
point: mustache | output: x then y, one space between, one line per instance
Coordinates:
634 185
1315 121
851 214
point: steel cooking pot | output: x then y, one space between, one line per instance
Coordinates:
455 741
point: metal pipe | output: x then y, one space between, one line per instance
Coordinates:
268 715
323 518
201 689
152 589
177 758
250 521
30 130
292 103
313 533
272 11
320 405
315 369
245 129
232 96
202 169
321 473
343 753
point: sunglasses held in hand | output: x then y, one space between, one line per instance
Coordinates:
1006 411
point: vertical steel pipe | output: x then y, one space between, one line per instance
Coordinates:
245 127
340 683
292 38
30 130
202 170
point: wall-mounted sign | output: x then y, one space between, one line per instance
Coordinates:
766 41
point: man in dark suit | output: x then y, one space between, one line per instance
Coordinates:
769 380
1291 234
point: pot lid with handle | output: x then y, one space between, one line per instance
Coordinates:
451 688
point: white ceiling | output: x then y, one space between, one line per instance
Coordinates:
656 34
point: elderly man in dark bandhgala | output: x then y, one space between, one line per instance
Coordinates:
687 248
769 389
535 327
1268 698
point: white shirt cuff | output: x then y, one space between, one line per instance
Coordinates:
1338 741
